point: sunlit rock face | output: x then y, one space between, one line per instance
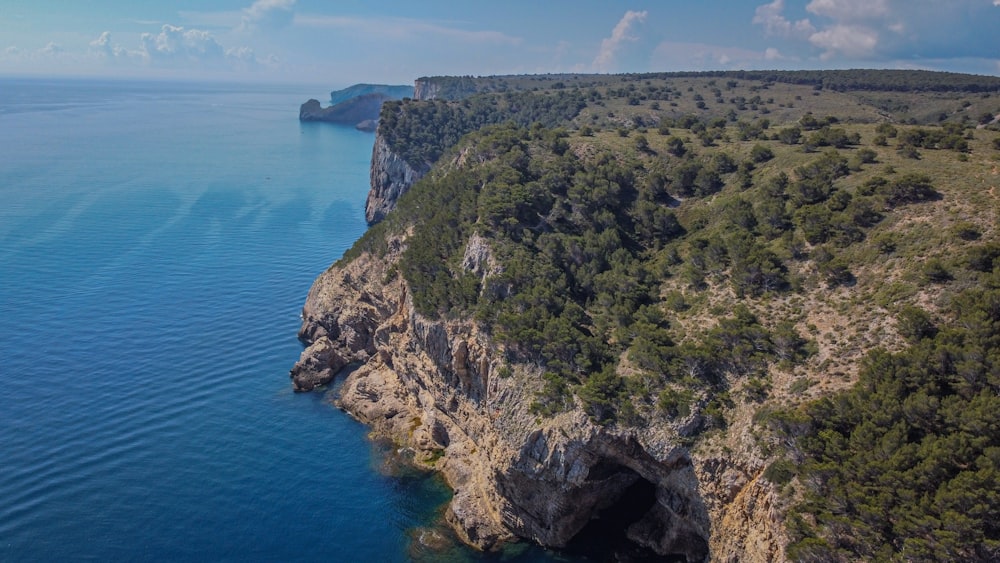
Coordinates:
448 392
391 177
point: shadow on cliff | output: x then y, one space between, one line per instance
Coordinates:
613 532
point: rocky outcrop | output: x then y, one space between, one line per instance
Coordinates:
319 364
391 177
446 390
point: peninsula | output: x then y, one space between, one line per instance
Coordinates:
357 105
727 316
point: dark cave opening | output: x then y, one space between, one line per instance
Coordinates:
605 537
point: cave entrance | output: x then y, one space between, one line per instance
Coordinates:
605 537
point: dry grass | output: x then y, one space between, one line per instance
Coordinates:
844 322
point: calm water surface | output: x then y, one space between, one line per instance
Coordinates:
156 244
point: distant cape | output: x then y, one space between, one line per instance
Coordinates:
390 91
357 105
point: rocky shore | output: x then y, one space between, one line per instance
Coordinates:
445 390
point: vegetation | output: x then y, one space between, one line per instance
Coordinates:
420 132
906 465
793 248
451 87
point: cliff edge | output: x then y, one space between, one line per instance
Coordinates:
391 177
444 389
664 339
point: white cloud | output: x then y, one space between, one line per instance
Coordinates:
846 27
268 14
174 46
176 43
103 47
890 33
52 53
773 54
853 41
102 44
243 58
674 55
771 16
403 29
52 49
241 54
849 10
621 34
171 49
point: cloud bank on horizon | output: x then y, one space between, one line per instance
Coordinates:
310 40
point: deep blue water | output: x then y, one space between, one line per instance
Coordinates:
156 244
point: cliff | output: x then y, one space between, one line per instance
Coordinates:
444 389
664 334
391 177
424 89
449 87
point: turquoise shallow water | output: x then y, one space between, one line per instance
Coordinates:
156 244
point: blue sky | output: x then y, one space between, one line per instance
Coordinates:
342 42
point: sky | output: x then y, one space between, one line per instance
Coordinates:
342 42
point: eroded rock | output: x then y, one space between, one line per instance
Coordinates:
317 365
391 177
432 386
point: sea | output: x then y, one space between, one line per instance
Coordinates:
157 241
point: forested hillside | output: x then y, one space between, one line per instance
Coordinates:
817 252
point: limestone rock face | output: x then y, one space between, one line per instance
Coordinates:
391 177
317 366
444 389
425 90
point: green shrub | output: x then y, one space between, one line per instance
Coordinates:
935 271
914 323
761 153
601 395
983 258
674 403
780 471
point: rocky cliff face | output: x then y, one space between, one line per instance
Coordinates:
446 390
391 176
425 90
